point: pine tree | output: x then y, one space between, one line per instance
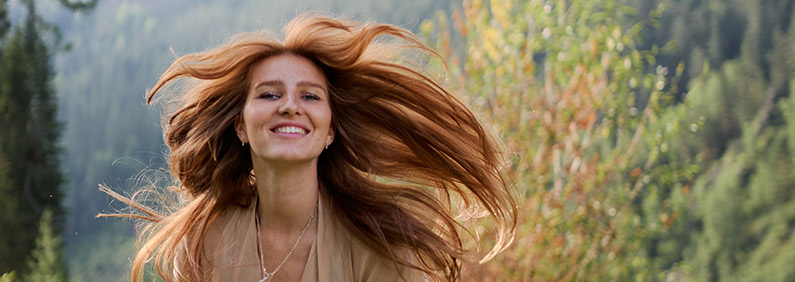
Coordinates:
740 214
29 141
743 205
46 263
8 218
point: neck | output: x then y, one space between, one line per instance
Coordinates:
288 193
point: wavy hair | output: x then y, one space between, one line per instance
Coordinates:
405 152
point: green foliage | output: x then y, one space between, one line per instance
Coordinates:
736 224
30 164
591 129
46 262
744 205
8 277
724 105
626 172
29 143
701 33
9 219
740 214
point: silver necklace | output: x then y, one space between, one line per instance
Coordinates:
267 275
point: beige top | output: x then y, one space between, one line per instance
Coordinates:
336 254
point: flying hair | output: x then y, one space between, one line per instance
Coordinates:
406 152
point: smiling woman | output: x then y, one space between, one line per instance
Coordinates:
320 157
287 116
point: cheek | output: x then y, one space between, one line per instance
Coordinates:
326 119
253 123
246 118
253 116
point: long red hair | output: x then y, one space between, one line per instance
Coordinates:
405 149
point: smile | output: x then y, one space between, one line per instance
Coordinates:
289 130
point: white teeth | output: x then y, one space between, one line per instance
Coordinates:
290 129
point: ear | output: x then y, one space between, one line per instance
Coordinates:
330 137
240 129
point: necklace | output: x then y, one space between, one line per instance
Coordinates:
267 275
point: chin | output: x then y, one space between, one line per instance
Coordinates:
292 158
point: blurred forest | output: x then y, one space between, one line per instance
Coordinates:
650 140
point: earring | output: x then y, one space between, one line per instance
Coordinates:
326 145
242 143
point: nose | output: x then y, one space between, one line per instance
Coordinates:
290 105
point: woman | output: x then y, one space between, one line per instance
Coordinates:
320 157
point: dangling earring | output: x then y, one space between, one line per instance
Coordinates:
326 145
242 143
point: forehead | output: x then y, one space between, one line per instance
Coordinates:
287 68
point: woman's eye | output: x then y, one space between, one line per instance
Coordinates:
268 95
310 96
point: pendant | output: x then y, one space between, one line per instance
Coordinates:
267 275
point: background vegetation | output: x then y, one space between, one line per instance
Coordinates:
651 140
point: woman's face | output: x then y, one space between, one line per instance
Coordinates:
287 116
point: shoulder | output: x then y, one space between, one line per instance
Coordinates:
342 255
230 250
233 221
368 265
227 250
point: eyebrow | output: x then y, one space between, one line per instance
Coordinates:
279 82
